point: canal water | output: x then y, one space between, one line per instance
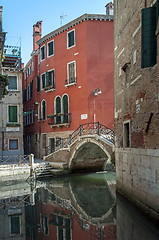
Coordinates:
80 207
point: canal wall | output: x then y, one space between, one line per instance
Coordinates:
137 173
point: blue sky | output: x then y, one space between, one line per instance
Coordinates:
19 16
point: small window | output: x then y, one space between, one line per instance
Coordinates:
12 83
50 78
12 114
126 140
42 52
38 83
15 225
50 48
13 144
71 39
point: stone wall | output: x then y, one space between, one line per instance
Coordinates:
136 109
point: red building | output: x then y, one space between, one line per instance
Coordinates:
68 69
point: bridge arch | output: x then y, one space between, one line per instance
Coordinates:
89 153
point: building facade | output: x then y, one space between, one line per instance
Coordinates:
11 108
136 101
68 70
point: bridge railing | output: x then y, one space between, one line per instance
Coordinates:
95 128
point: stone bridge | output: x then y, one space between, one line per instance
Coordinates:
89 148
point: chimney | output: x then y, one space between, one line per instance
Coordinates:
36 34
1 18
110 9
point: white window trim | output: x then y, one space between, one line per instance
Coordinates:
8 144
68 72
42 110
8 113
48 49
17 83
74 39
41 60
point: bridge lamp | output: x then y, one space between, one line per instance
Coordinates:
95 93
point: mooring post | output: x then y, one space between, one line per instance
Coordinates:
31 163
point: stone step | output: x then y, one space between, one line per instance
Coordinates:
58 165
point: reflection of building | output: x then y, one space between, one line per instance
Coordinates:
11 119
66 66
67 212
12 218
136 101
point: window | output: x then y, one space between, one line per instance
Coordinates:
43 107
15 225
71 39
38 83
13 114
44 141
46 225
12 83
58 109
42 52
50 78
71 73
148 36
13 144
126 140
39 111
43 83
24 95
65 108
50 48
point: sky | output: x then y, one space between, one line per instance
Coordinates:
19 16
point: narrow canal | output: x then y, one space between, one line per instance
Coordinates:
79 207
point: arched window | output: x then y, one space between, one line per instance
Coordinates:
65 108
58 109
43 112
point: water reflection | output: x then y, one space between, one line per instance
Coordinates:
79 207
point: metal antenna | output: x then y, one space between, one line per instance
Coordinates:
62 17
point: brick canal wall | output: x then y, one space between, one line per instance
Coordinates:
136 109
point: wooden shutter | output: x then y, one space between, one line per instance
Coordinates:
58 109
43 110
47 79
38 83
12 114
71 39
148 37
65 108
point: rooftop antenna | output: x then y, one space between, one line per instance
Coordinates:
62 17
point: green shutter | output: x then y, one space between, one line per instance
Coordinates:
38 83
44 110
65 108
58 109
43 81
31 89
47 79
148 37
12 113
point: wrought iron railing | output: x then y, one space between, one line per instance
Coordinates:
60 118
14 159
85 129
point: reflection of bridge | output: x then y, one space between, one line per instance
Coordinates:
89 147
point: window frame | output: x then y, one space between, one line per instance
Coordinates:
68 82
13 139
43 46
73 30
17 83
53 83
126 136
42 110
17 113
20 223
42 80
48 49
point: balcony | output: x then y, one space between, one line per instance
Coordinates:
59 120
70 82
